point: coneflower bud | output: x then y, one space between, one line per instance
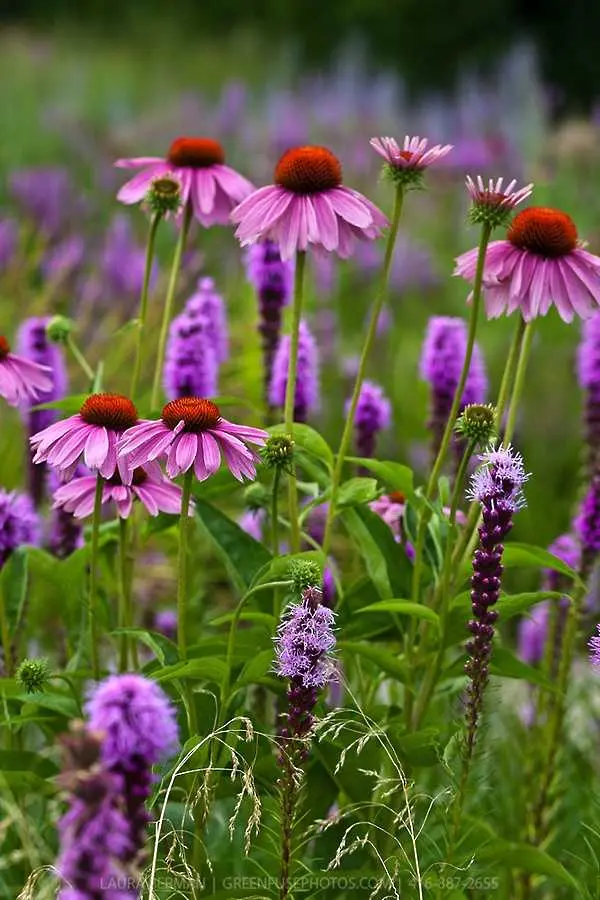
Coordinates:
272 279
278 452
477 423
493 205
33 675
373 414
58 329
442 360
33 344
304 574
307 397
497 486
164 195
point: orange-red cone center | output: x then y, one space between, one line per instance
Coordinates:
308 170
4 347
197 413
544 231
195 152
110 410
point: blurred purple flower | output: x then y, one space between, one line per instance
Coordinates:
307 397
373 414
19 523
191 368
9 241
208 303
46 195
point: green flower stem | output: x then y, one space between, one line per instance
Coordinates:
124 610
486 232
433 672
143 311
275 534
168 308
519 384
92 631
80 358
509 373
362 367
182 566
290 393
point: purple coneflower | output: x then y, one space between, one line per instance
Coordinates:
406 164
441 364
373 414
139 725
539 264
192 432
19 523
211 188
191 368
33 344
307 395
272 279
208 304
148 485
308 205
497 486
92 434
95 835
21 380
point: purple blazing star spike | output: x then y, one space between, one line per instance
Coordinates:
594 645
140 729
307 399
191 365
19 523
207 303
442 359
45 194
588 373
122 261
272 279
497 486
587 526
373 414
33 344
9 241
94 832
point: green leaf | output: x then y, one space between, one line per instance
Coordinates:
255 669
395 476
507 665
523 555
404 608
71 404
310 441
357 491
260 618
419 748
205 668
164 649
370 548
511 605
387 662
528 859
25 761
242 555
13 587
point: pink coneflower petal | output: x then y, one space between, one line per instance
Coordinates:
204 188
349 206
210 452
136 162
96 448
137 188
21 379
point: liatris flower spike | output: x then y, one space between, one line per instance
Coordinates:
92 434
191 366
497 486
594 645
541 263
308 205
21 380
206 302
192 432
19 523
148 485
307 394
588 372
211 188
406 165
493 205
373 414
139 725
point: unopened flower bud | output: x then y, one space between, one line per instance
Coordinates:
33 675
164 195
278 451
59 328
477 423
304 574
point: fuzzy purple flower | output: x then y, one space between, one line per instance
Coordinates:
588 372
497 486
252 521
594 645
65 532
45 194
307 397
191 366
271 278
442 359
94 833
33 344
9 242
165 622
373 414
207 303
19 523
140 730
587 526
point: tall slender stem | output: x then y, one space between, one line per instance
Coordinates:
139 345
290 392
182 568
362 366
80 358
124 603
168 308
519 383
447 436
92 631
509 372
